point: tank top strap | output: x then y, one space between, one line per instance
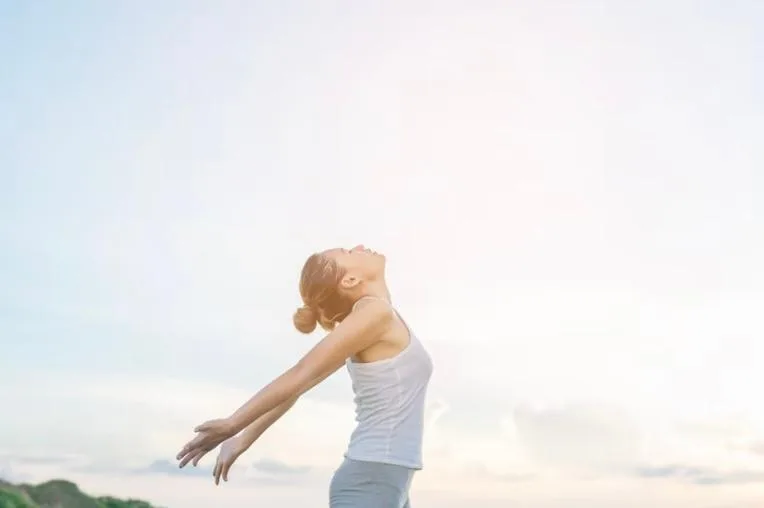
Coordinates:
369 297
412 337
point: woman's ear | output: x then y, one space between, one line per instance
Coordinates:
349 281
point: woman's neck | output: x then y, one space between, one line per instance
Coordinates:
376 289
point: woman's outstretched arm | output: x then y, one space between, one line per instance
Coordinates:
358 331
257 428
247 437
194 451
362 328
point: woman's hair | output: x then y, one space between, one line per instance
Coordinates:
319 288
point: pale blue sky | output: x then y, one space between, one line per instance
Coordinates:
569 194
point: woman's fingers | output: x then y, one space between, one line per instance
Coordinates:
191 445
182 453
194 456
198 457
184 459
221 466
195 450
188 457
226 467
209 435
216 471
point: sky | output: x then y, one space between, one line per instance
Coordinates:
566 192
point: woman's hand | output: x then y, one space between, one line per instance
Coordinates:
209 435
229 452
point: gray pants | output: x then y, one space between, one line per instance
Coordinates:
358 484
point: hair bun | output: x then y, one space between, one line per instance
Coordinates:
305 319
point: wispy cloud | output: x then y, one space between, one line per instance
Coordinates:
757 448
577 437
701 475
168 468
275 467
264 471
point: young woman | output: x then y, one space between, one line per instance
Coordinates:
345 292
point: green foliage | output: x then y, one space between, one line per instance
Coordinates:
15 499
59 494
110 502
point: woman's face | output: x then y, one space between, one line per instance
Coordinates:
359 261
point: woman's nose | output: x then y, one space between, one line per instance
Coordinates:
358 248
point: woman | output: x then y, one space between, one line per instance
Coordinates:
345 292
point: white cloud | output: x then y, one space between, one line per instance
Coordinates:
581 439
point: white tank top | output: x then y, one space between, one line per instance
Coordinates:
389 398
